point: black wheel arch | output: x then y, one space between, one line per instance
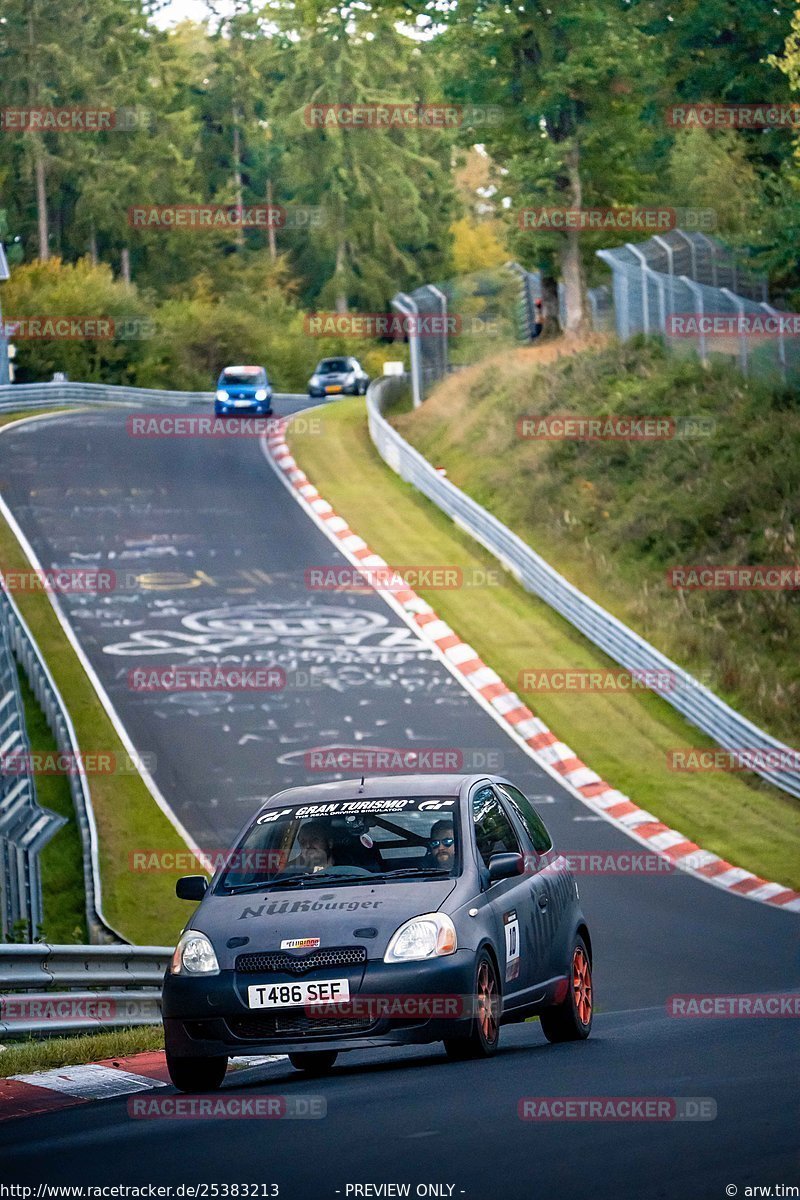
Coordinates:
583 931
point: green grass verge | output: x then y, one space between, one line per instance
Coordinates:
22 1058
61 862
624 737
141 905
615 516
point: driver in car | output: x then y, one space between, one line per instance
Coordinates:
442 845
316 846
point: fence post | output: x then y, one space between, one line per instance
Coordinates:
738 303
439 294
692 252
713 250
698 295
645 300
5 375
405 305
773 312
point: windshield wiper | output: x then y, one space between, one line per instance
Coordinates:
322 878
415 872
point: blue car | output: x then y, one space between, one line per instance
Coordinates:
243 389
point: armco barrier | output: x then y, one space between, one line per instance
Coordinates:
25 827
21 396
44 688
697 703
48 990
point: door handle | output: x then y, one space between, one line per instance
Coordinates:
544 900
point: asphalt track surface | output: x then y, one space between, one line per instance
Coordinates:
213 513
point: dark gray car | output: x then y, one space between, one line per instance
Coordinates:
385 911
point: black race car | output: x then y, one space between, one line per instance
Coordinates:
378 912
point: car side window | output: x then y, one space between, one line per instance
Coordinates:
542 842
494 832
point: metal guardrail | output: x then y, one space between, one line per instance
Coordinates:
48 990
28 655
684 692
25 827
49 395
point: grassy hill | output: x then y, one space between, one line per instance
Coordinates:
615 516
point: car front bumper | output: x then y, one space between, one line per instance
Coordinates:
318 392
209 1017
262 408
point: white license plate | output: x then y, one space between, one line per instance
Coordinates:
297 995
242 403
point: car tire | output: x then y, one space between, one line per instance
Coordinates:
484 1036
314 1062
571 1020
196 1074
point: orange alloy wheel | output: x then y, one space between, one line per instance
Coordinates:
582 985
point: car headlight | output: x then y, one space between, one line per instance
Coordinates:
261 394
194 955
351 378
429 936
314 381
222 395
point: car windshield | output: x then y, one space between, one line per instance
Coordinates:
333 366
243 375
403 838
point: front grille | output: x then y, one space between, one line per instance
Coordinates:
278 962
255 1027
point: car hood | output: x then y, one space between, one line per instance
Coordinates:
242 389
364 914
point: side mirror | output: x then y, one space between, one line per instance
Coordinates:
505 866
191 887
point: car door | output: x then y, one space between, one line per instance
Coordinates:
515 902
555 883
